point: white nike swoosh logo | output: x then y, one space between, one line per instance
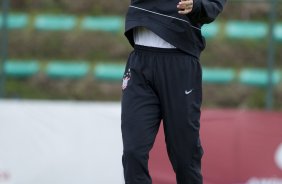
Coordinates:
188 92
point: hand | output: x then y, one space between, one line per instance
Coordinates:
185 6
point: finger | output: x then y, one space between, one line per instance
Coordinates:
184 12
184 6
186 2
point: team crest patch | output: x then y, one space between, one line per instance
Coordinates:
126 78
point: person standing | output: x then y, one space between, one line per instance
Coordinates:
163 81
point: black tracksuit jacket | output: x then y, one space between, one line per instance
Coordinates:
162 17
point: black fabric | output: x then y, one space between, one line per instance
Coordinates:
161 84
205 11
184 34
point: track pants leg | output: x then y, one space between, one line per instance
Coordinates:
140 119
180 92
157 85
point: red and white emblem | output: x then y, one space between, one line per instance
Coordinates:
126 78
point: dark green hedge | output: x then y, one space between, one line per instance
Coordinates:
95 46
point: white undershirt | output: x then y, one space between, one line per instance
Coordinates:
145 37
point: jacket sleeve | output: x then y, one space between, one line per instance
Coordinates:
205 11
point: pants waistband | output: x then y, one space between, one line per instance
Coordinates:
158 50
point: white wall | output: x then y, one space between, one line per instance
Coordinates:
43 142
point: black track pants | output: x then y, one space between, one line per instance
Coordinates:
161 84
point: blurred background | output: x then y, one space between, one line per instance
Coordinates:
60 49
61 64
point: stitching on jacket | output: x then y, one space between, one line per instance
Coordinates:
165 16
